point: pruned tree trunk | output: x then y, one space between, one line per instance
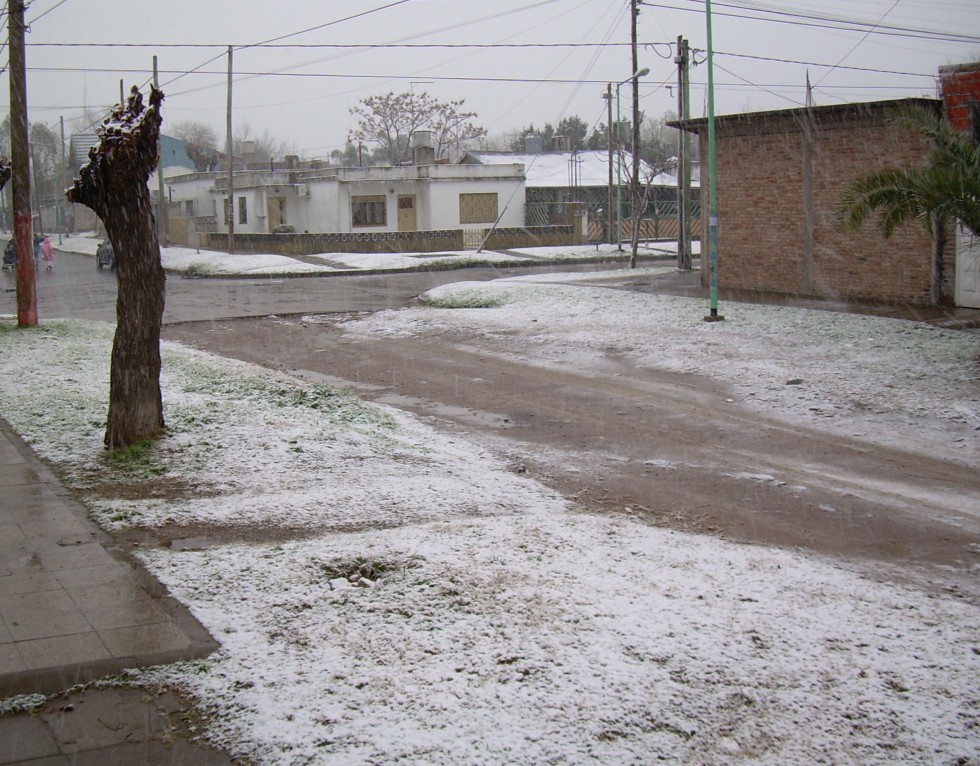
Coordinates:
113 183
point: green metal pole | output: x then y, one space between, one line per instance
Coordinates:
713 315
619 178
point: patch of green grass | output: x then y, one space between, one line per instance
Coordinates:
445 264
374 569
139 460
21 703
339 405
199 270
466 299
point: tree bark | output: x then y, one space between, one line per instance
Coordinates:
113 183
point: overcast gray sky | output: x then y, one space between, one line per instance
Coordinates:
533 60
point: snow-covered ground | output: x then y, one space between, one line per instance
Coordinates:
495 623
890 382
215 263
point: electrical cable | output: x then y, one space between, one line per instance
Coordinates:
809 20
857 44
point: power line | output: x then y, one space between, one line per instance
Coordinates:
292 34
52 8
811 20
819 64
857 44
446 78
339 46
324 26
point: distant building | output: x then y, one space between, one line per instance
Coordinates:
375 200
557 180
173 151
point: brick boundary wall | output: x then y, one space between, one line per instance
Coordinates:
780 177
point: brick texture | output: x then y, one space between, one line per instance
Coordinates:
960 87
763 190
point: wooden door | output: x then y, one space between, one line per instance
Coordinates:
406 213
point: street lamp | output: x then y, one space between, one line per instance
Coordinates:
619 161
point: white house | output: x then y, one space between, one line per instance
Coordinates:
370 199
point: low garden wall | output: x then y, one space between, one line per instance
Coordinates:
356 242
393 241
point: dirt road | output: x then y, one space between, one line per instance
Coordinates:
670 449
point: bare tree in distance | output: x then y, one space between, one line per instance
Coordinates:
261 147
391 119
113 183
201 143
451 127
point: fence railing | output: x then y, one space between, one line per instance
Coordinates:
659 220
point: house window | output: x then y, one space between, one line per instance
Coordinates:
228 219
368 211
478 208
242 210
189 208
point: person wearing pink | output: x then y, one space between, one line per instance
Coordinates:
47 253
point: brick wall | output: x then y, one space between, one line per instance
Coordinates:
960 85
777 191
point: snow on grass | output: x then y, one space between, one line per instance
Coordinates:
887 381
195 262
569 639
498 626
416 261
210 263
198 262
255 447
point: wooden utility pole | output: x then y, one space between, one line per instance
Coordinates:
62 183
21 178
231 165
635 212
683 61
611 202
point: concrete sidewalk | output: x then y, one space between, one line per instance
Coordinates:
74 608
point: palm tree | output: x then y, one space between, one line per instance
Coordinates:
946 188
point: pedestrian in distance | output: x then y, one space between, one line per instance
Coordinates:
37 251
47 253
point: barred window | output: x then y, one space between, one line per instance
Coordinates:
368 211
242 210
478 208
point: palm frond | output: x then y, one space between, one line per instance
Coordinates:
945 188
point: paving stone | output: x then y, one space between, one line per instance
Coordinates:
23 738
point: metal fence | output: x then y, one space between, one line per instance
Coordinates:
659 220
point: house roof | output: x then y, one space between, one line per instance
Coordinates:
780 119
554 169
